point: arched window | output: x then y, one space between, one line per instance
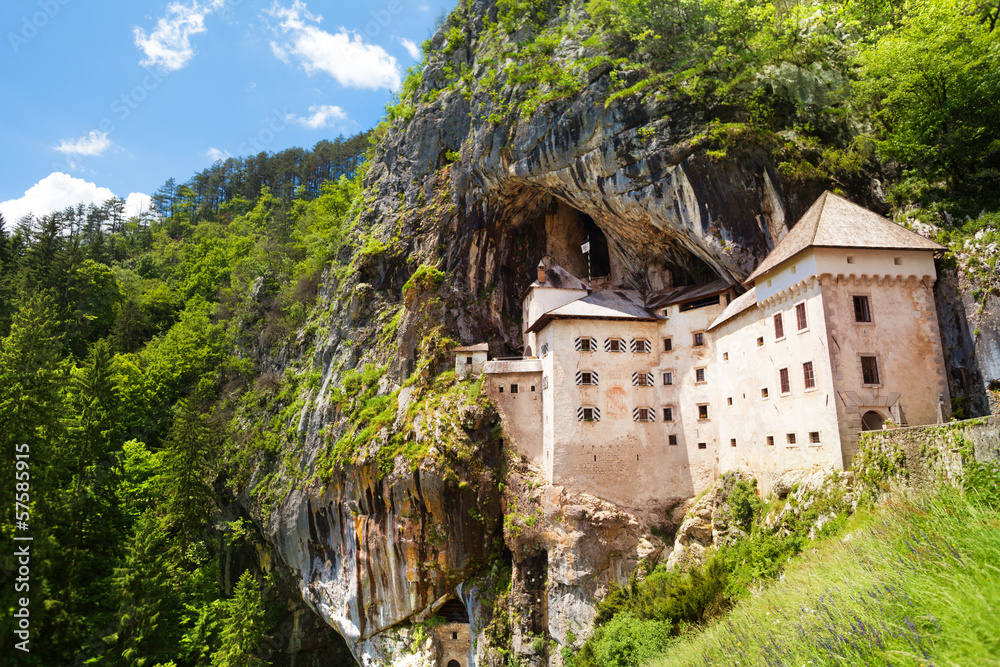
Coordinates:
872 421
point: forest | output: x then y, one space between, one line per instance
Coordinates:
126 342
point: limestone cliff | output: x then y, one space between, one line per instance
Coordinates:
471 179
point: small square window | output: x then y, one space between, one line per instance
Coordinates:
725 356
513 389
898 261
702 445
532 387
454 635
586 345
642 379
644 415
729 400
588 414
703 411
763 392
699 339
786 384
760 341
850 259
668 344
671 439
640 346
501 389
770 441
668 414
862 309
668 378
814 437
699 375
587 377
732 442
869 370
790 438
468 361
615 345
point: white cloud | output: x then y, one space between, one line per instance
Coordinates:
344 55
136 203
93 144
215 154
169 45
320 116
58 190
411 48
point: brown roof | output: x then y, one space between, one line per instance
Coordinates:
559 278
737 306
834 222
609 304
667 297
478 347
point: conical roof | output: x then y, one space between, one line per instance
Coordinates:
835 222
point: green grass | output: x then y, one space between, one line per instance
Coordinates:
918 583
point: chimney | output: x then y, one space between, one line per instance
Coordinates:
541 273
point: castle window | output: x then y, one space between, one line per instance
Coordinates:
725 356
585 344
699 339
454 636
702 445
532 387
588 414
699 375
501 388
814 437
770 441
763 392
703 411
790 438
729 401
786 385
641 346
898 261
760 341
668 378
468 361
642 379
614 345
869 371
862 311
779 327
586 378
808 375
668 414
800 315
668 344
671 439
513 389
643 415
732 442
545 349
850 259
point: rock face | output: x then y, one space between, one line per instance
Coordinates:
481 191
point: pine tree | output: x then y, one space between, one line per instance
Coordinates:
243 629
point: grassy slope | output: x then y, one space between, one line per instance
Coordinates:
916 583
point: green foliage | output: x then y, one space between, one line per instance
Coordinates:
626 641
744 503
243 630
425 279
916 584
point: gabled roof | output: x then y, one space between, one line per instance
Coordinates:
834 222
613 304
560 278
737 306
668 297
478 347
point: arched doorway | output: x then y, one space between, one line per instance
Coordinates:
872 421
454 663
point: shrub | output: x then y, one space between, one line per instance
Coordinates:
626 641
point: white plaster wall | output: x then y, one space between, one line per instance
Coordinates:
462 369
540 300
521 413
749 368
874 262
792 271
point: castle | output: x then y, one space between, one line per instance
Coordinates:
637 397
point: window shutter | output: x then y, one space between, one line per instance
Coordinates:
579 414
579 377
578 344
597 415
649 379
607 344
635 379
593 377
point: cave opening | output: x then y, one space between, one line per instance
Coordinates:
567 230
454 611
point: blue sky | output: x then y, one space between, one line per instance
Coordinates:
115 96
